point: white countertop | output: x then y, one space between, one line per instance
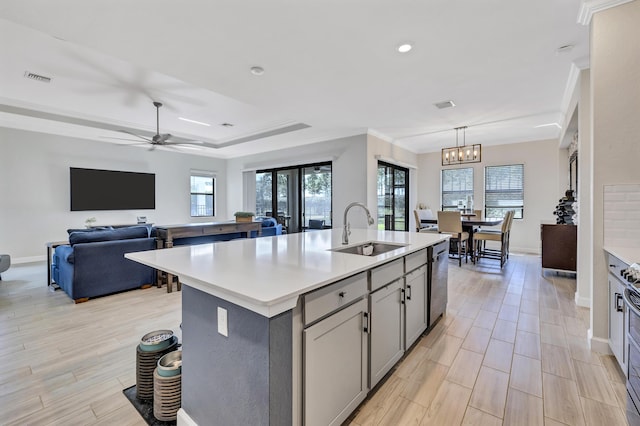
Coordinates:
628 255
268 274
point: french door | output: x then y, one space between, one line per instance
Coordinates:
295 195
393 197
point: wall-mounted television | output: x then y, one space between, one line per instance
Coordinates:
93 189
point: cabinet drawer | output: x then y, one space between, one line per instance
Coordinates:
415 260
325 300
386 273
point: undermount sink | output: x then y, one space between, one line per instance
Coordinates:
370 248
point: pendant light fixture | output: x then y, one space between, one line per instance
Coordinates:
461 154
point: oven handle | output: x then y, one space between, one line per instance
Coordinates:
630 304
619 305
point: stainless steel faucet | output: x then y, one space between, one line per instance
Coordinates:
346 231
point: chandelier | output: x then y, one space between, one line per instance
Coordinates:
461 154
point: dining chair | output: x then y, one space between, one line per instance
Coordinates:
316 224
424 214
449 222
502 236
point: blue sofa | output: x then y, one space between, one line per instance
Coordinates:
93 264
270 227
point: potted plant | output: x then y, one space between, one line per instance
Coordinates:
244 216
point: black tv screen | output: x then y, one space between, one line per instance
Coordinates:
93 189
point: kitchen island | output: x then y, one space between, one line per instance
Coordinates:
252 309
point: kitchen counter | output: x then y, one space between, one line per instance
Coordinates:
628 255
267 275
245 331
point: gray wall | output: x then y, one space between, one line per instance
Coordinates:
34 187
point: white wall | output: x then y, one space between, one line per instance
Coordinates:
392 154
349 157
543 184
585 221
615 103
34 187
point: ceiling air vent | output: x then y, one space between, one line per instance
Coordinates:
37 77
445 104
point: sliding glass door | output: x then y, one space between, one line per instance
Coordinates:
317 196
295 195
393 193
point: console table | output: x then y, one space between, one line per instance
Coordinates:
50 248
167 233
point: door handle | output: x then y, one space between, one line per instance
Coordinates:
619 304
366 321
408 292
403 296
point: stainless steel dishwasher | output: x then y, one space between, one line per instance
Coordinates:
438 279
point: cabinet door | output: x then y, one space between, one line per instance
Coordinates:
416 304
335 366
387 330
616 319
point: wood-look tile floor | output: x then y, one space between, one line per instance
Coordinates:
511 350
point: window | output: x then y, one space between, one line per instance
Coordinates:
457 185
504 190
202 201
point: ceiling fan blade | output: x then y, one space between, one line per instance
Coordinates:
133 134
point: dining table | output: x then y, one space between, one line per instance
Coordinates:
470 224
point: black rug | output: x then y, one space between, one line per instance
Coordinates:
145 408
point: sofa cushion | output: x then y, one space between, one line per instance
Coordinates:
109 235
268 222
100 228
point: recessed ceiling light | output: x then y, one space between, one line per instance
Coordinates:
405 47
194 121
257 70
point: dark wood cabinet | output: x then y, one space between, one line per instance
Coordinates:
559 247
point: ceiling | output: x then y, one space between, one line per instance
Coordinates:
331 69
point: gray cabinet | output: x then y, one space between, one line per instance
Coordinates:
335 365
386 344
416 315
617 310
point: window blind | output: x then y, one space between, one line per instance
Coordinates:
504 190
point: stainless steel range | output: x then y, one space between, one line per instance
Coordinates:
631 276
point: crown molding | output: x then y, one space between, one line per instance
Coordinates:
589 7
379 135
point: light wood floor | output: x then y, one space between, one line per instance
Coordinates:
512 350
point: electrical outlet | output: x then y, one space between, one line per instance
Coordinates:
223 327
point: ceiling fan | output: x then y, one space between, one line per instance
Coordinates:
160 139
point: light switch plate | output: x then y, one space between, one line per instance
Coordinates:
223 327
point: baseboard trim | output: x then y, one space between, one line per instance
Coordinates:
28 259
599 345
183 419
584 302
